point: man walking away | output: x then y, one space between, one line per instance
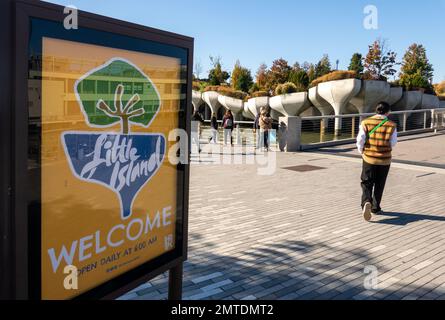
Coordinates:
377 136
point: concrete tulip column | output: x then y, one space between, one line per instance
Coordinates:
234 105
255 104
371 93
351 109
275 115
321 104
211 98
196 100
246 112
429 101
410 101
395 94
338 93
291 104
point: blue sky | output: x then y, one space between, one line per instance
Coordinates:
257 31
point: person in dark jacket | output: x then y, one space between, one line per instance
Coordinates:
256 130
197 121
214 129
228 125
197 117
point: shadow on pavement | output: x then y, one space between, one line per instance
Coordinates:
402 219
280 270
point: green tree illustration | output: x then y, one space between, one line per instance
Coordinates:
118 92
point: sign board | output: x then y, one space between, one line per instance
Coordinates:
103 197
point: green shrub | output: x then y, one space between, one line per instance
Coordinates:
236 94
336 75
395 83
369 76
300 79
212 88
416 82
196 86
254 88
258 94
286 88
199 85
227 91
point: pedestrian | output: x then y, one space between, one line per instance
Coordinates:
265 122
197 121
228 124
256 129
214 129
377 136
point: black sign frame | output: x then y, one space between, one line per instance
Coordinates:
20 231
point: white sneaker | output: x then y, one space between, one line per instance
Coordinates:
367 215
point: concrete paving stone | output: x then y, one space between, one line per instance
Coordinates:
252 290
148 291
207 277
285 291
227 293
154 295
204 295
189 293
217 285
128 296
220 278
232 285
308 295
268 291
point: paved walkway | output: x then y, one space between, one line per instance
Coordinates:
300 235
426 150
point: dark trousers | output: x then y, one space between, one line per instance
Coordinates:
266 139
373 184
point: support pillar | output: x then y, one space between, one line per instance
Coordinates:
353 127
238 135
323 127
337 128
290 129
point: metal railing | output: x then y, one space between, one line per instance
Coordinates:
242 134
320 131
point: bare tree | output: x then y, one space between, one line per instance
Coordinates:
198 69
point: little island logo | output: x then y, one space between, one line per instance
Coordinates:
116 92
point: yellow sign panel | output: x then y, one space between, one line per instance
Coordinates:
108 190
